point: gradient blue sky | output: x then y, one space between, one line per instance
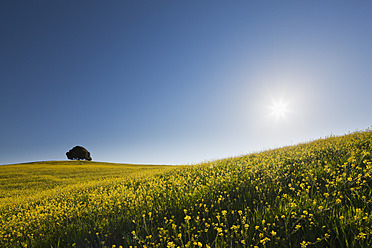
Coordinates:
179 82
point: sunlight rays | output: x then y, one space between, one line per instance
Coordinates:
279 109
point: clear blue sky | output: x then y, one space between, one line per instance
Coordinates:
180 82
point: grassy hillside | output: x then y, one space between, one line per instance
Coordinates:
34 179
316 194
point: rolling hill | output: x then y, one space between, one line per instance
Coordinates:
316 194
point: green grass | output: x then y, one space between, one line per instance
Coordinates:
316 194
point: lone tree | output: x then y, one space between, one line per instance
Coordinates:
78 153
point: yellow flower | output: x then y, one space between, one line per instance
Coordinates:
263 241
171 245
293 205
303 244
361 235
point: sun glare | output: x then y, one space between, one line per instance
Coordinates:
279 109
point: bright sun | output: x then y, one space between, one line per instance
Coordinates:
279 109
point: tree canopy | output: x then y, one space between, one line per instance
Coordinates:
78 153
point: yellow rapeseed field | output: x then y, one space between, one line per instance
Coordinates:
316 194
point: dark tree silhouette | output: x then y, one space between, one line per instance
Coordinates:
78 153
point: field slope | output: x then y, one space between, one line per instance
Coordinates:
38 177
316 194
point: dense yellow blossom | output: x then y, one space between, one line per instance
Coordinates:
316 194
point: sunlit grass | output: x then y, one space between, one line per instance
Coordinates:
316 194
28 179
